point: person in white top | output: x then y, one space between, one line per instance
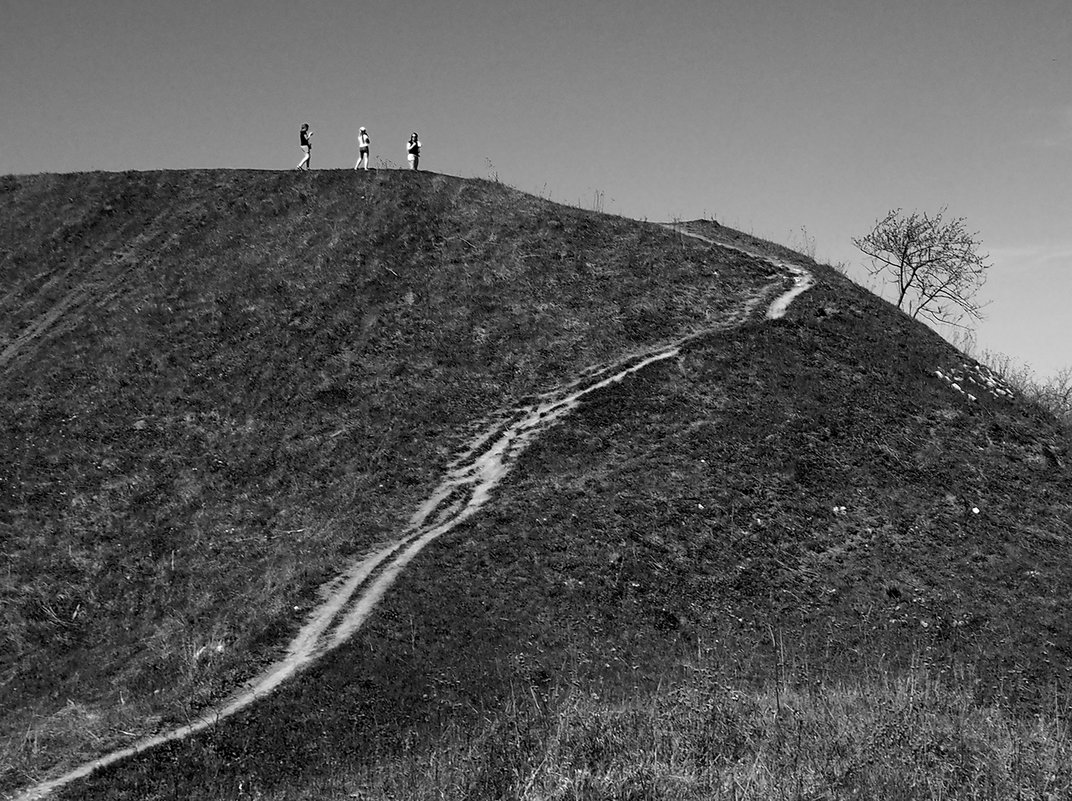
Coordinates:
363 142
413 150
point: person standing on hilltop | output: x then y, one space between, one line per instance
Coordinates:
363 142
305 143
413 151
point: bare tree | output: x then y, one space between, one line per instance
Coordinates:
1056 394
934 264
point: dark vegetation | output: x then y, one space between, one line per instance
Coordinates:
218 386
275 375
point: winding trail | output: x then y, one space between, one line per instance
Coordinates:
467 485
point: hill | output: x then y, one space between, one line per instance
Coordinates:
220 389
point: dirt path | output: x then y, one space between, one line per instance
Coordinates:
802 279
470 479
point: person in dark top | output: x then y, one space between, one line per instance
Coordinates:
413 150
304 142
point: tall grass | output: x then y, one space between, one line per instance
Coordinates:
1052 393
912 735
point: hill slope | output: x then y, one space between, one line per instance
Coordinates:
220 388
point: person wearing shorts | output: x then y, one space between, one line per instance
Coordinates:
304 142
363 142
413 151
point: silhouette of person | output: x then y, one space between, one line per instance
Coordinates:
413 151
363 142
304 142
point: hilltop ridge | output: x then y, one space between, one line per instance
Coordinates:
220 386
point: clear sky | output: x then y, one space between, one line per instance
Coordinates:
774 116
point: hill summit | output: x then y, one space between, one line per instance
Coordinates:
225 393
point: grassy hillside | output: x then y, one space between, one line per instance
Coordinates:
218 386
253 376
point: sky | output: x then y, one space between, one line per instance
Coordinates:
802 121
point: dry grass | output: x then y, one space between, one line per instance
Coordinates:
221 386
895 737
271 371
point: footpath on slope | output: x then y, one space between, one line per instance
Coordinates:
470 479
